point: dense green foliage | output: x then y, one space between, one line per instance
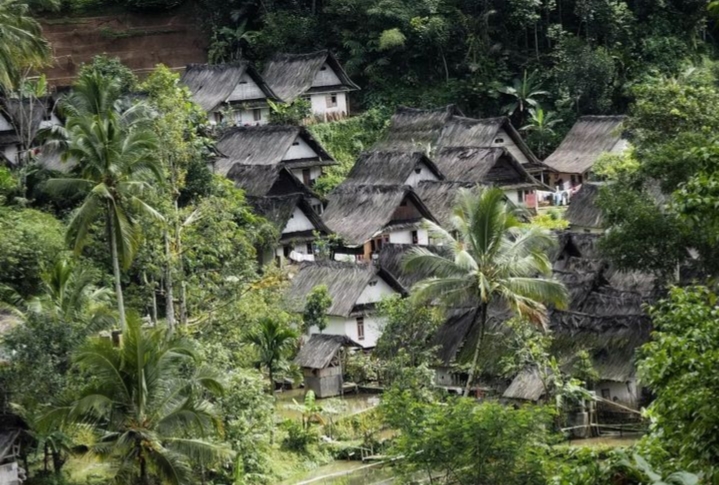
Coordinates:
22 46
678 365
316 306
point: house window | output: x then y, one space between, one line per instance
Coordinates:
520 196
47 115
605 394
310 250
580 179
295 143
415 237
286 250
573 179
257 114
418 170
360 328
403 203
317 207
499 141
331 100
243 82
306 176
323 68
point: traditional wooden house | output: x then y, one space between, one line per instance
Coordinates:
290 146
493 167
297 224
413 129
321 359
20 121
355 290
392 168
584 214
366 217
589 138
316 76
236 90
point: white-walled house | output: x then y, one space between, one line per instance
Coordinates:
236 90
290 146
393 169
297 224
355 290
316 77
590 137
365 217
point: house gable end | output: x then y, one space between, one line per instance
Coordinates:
377 289
326 76
246 89
300 150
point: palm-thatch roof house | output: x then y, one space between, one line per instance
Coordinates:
315 76
490 166
321 359
366 217
20 120
266 180
236 88
291 146
413 129
584 214
440 198
589 138
355 290
296 222
392 168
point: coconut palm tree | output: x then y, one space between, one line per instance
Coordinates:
541 130
22 44
525 93
495 258
113 148
144 405
273 342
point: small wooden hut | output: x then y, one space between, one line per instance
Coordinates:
316 76
589 138
321 360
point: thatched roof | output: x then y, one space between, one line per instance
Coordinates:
388 168
211 85
527 385
583 210
391 259
266 180
491 166
291 75
358 212
318 351
278 210
415 129
22 114
590 137
440 198
268 145
345 283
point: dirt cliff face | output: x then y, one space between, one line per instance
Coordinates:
140 41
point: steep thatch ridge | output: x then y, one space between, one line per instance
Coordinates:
211 85
469 132
413 129
266 180
590 137
278 210
318 351
491 166
440 198
291 75
345 283
268 145
391 259
358 212
388 168
583 211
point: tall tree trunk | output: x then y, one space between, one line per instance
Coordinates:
116 268
169 294
482 315
143 470
180 266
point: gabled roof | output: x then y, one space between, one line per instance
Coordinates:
318 351
345 283
291 75
414 129
490 166
278 210
583 210
388 168
358 212
391 258
267 145
212 85
440 198
22 113
586 141
266 180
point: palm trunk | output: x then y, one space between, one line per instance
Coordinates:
143 471
272 382
116 269
480 314
169 296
